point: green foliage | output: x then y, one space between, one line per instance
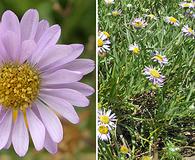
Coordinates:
148 116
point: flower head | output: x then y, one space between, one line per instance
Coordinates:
134 48
154 76
103 42
124 149
187 31
158 57
116 13
38 78
186 4
103 132
172 20
108 2
139 23
107 118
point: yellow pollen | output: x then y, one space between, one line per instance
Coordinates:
107 34
146 158
190 30
136 50
138 24
104 119
159 57
115 13
173 20
100 42
103 129
154 73
124 149
19 85
186 4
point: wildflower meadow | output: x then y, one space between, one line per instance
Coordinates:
146 80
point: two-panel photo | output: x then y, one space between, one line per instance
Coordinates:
97 80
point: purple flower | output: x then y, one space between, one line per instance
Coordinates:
154 76
161 59
38 78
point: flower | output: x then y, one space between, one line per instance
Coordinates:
124 149
116 12
108 2
107 118
160 58
134 48
103 132
103 42
38 77
151 16
146 158
138 23
172 20
186 5
154 76
187 31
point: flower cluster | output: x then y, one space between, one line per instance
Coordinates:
106 123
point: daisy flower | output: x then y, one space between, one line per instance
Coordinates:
172 20
124 149
160 58
108 2
103 42
38 78
107 118
154 76
186 5
134 48
116 12
187 31
138 23
103 132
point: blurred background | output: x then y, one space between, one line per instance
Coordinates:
78 22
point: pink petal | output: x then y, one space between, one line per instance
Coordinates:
84 66
78 86
42 27
7 146
29 24
50 145
61 106
20 137
10 22
63 54
5 128
48 39
36 128
61 76
28 47
72 96
11 44
51 122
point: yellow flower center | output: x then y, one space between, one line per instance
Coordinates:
100 42
190 30
138 24
107 34
115 13
103 129
146 158
19 85
154 73
104 119
159 57
124 149
173 20
136 50
151 16
186 4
